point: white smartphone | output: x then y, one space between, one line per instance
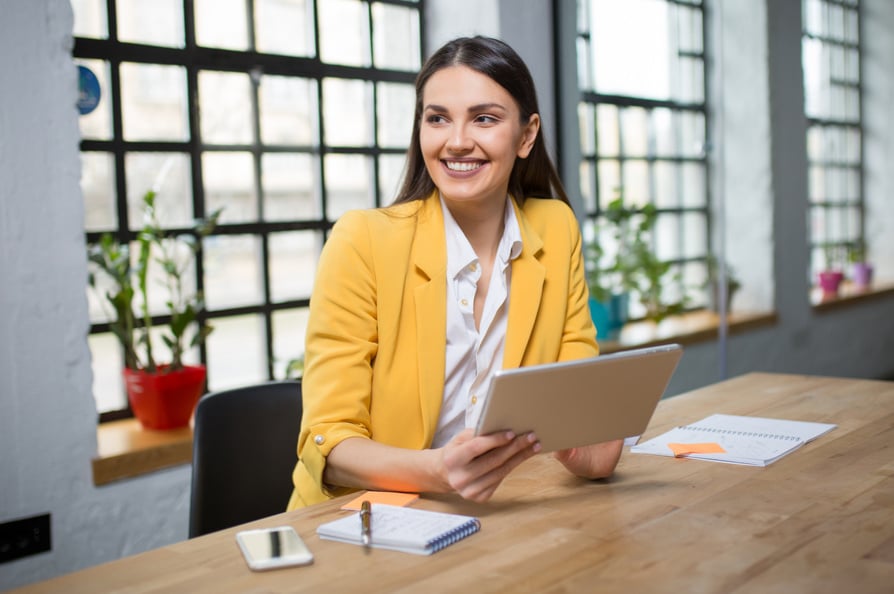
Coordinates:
269 548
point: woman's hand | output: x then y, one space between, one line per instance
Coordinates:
592 461
475 466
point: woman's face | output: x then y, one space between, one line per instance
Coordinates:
470 135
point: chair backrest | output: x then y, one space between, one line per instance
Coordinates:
245 445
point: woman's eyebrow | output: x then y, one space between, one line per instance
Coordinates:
472 108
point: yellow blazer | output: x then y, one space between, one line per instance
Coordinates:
376 337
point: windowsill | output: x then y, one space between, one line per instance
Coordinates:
126 450
688 328
849 294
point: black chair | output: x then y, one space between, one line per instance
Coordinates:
244 450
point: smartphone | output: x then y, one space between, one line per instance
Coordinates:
270 548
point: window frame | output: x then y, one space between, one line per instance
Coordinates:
195 59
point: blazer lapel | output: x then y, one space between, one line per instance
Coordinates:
525 292
430 295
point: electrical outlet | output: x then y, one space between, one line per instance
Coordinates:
25 537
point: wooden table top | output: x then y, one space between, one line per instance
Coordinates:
819 520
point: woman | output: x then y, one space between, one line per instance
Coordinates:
415 306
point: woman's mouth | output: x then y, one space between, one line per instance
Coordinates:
463 166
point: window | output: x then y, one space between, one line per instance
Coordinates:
643 125
286 113
831 59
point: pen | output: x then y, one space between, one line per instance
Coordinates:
365 523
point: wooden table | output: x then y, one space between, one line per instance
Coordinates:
819 520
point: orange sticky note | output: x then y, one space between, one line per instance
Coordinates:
386 497
681 449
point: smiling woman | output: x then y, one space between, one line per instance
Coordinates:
474 268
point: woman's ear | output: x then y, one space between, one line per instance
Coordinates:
529 135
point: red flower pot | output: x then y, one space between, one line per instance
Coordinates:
165 399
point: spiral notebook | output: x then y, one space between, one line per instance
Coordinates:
404 529
755 441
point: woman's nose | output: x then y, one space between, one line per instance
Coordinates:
459 140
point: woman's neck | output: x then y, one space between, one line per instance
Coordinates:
482 224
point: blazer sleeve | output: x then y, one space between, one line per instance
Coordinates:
579 335
341 343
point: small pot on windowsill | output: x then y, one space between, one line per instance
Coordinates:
861 274
830 282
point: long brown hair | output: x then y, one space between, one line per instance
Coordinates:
534 176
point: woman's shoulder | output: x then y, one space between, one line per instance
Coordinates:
548 213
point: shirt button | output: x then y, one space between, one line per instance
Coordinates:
319 439
474 399
464 302
473 267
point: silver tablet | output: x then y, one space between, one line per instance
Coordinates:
581 402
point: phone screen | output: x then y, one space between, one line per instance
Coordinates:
269 548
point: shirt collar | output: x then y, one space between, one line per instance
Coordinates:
459 251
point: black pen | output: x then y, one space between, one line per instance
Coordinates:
365 524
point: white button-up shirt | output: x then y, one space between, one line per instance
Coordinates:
473 355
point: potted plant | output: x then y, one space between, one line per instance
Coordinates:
861 268
632 268
162 395
831 277
608 279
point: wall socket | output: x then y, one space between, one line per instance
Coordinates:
25 537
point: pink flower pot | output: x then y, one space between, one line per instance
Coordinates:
830 281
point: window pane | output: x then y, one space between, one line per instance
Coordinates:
395 104
97 125
396 40
347 110
232 271
588 185
221 23
230 184
153 22
348 184
608 130
344 32
236 352
609 181
635 131
290 183
694 189
391 168
153 102
293 260
288 111
636 183
169 175
98 188
289 328
616 52
665 131
90 18
666 184
225 107
284 27
587 126
107 363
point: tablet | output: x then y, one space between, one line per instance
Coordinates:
582 402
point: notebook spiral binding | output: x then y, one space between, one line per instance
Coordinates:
455 535
743 433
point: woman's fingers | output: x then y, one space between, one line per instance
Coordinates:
475 467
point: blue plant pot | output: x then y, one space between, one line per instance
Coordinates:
609 317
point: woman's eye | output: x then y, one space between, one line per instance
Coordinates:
435 119
486 119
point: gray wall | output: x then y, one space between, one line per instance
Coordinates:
47 415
